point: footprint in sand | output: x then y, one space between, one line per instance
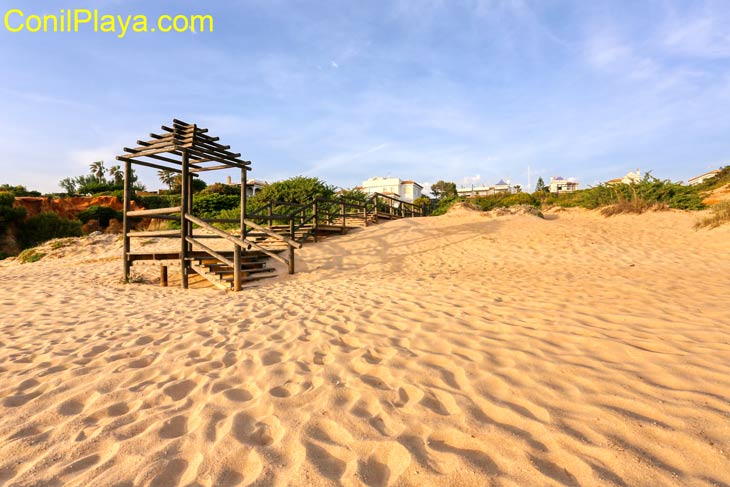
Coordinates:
249 430
440 402
323 358
408 395
174 427
179 390
293 388
271 357
385 464
71 407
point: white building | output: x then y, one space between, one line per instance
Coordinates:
499 188
561 185
253 186
476 191
630 178
403 190
703 177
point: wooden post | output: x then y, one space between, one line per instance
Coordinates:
125 219
163 275
291 249
315 230
270 212
342 210
185 181
375 214
244 182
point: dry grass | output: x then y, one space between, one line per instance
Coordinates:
720 214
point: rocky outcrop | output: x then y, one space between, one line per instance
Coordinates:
67 207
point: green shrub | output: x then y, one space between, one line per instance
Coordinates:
299 189
221 188
9 216
444 204
100 213
649 192
153 202
487 203
18 190
46 226
30 255
209 205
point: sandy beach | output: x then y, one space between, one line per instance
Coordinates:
462 350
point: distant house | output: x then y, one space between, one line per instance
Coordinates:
561 185
630 178
475 191
499 188
253 186
403 190
703 177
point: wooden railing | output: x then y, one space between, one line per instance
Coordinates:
288 224
242 244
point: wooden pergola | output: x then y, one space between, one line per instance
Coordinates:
185 149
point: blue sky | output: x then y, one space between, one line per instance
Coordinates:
468 91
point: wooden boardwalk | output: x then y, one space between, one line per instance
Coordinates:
272 232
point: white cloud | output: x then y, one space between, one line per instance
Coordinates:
701 37
334 64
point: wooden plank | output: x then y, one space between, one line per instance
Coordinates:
148 164
155 233
125 219
184 227
208 277
210 251
155 211
245 244
135 153
292 243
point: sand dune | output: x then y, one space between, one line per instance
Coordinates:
460 350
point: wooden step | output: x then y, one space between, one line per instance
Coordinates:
255 278
244 273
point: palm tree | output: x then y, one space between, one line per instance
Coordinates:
97 169
167 177
115 172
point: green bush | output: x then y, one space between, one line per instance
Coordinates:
444 204
221 188
209 205
6 198
46 226
487 203
650 191
153 202
18 190
298 189
30 255
100 213
9 216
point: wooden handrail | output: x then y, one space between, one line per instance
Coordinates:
271 233
244 244
210 251
155 211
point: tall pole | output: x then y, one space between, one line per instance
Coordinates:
125 219
183 221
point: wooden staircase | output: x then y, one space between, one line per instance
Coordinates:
255 266
261 237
